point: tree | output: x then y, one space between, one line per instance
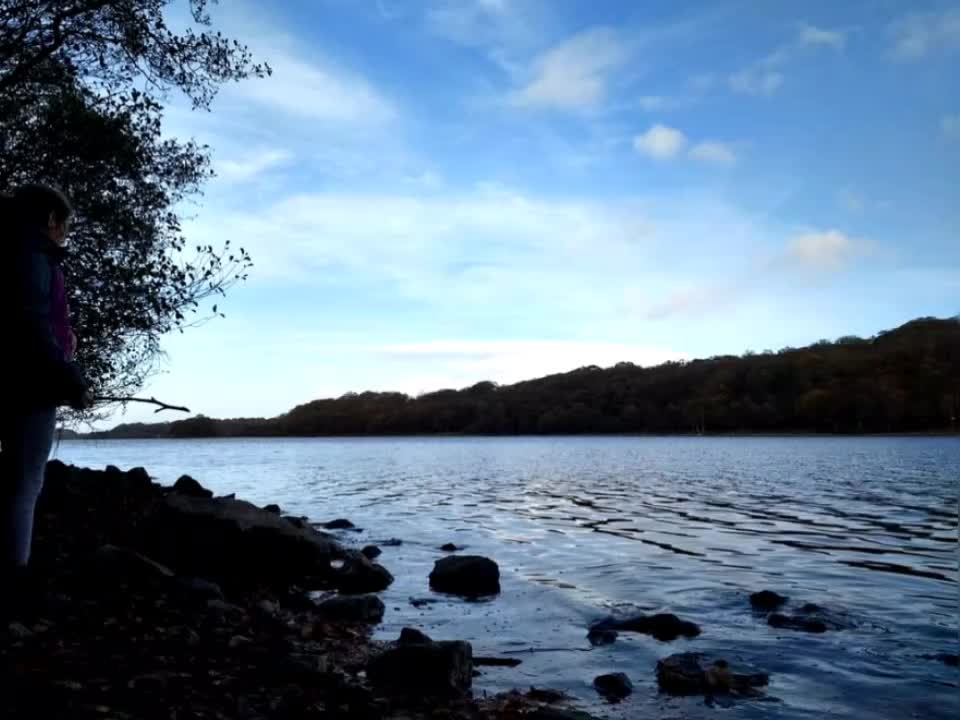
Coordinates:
82 84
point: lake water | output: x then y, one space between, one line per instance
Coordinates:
582 527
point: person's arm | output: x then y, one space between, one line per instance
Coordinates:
40 348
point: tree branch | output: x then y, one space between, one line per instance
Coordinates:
149 401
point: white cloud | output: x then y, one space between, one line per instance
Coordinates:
573 75
851 200
756 81
711 151
660 142
950 127
252 164
813 36
824 251
315 91
918 35
459 363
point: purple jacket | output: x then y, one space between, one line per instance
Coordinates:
60 313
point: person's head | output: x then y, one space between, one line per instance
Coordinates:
46 208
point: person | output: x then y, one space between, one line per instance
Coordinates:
41 373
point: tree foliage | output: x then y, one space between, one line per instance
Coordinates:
904 380
82 86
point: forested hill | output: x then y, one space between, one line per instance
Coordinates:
903 380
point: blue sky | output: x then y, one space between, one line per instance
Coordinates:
437 193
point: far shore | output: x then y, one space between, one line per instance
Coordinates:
734 435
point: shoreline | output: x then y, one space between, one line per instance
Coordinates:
735 435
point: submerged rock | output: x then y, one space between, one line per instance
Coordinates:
359 575
767 600
449 547
467 575
663 626
602 636
338 524
186 485
695 674
355 608
614 686
804 623
423 668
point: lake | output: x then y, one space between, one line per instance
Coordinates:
583 527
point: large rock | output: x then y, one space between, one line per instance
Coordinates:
766 600
353 608
614 686
663 626
112 565
236 543
421 668
467 575
186 485
359 575
696 674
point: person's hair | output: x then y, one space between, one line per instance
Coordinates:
33 204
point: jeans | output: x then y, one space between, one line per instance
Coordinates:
26 437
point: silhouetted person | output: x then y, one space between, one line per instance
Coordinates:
40 374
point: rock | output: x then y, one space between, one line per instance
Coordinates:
267 608
467 575
19 631
480 661
392 542
797 622
118 565
358 575
695 674
354 608
663 626
272 508
200 588
338 524
602 636
423 602
424 669
236 543
549 713
546 695
238 641
614 686
449 547
412 636
766 600
948 659
186 485
298 522
371 552
139 478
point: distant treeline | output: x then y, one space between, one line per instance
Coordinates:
904 380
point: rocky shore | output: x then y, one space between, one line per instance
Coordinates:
165 602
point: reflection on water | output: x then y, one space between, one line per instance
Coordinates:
584 526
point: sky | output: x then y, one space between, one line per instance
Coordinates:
441 192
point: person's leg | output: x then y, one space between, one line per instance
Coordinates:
27 439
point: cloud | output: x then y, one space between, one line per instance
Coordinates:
851 200
711 151
814 36
950 127
574 74
766 76
252 164
918 35
459 363
693 300
824 251
315 91
660 142
756 81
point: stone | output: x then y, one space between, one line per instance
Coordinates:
392 542
19 631
238 641
236 544
412 636
371 552
466 575
480 661
449 547
797 622
423 669
298 522
602 636
200 588
948 659
614 686
423 602
359 575
665 627
272 508
119 565
549 713
139 478
338 524
352 608
696 674
766 600
186 485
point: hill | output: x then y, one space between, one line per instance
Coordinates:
899 381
